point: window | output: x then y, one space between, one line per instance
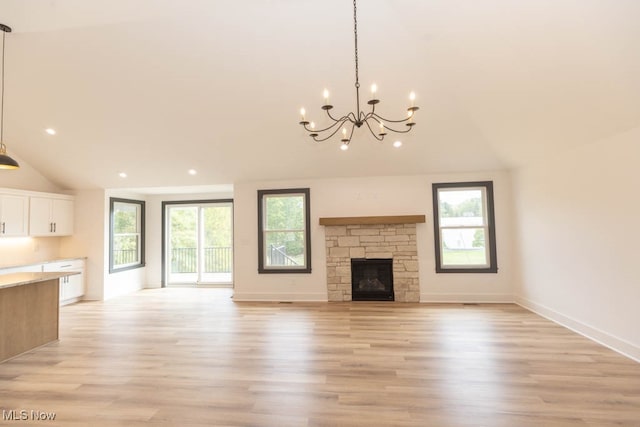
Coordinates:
464 227
126 237
284 231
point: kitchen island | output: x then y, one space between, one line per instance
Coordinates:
28 311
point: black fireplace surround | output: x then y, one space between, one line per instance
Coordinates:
371 279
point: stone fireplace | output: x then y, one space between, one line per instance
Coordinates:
357 238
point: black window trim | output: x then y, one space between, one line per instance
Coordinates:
493 262
141 203
164 237
277 270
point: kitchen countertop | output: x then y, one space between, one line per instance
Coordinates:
5 267
19 279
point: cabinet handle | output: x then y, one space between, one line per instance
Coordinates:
54 227
3 230
50 227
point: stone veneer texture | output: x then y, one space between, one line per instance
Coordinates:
397 241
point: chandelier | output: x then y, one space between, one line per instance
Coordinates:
377 125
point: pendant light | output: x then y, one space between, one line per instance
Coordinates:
6 162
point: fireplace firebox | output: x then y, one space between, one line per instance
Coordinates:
372 279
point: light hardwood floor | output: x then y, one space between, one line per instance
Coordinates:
193 357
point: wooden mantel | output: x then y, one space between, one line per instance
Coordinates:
372 220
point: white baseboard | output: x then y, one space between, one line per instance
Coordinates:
279 297
614 343
466 298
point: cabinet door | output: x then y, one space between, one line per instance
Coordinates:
40 223
74 287
14 215
62 217
71 286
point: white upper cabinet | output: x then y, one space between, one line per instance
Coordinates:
32 213
49 216
14 215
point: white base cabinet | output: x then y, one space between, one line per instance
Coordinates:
71 287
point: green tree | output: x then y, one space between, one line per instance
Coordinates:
469 208
478 239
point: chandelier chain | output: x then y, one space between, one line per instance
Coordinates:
355 33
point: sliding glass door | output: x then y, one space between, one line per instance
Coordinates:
199 243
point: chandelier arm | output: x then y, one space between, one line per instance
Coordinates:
353 127
371 115
340 119
308 129
315 138
378 117
398 131
376 136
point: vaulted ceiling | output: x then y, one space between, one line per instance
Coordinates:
156 87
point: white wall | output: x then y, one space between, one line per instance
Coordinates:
16 251
154 230
26 178
369 197
89 239
579 246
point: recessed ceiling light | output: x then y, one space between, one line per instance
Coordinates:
397 144
192 171
50 131
122 174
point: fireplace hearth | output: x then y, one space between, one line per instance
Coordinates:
372 280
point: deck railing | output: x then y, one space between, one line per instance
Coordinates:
217 259
125 256
278 256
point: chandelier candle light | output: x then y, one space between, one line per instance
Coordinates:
377 125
